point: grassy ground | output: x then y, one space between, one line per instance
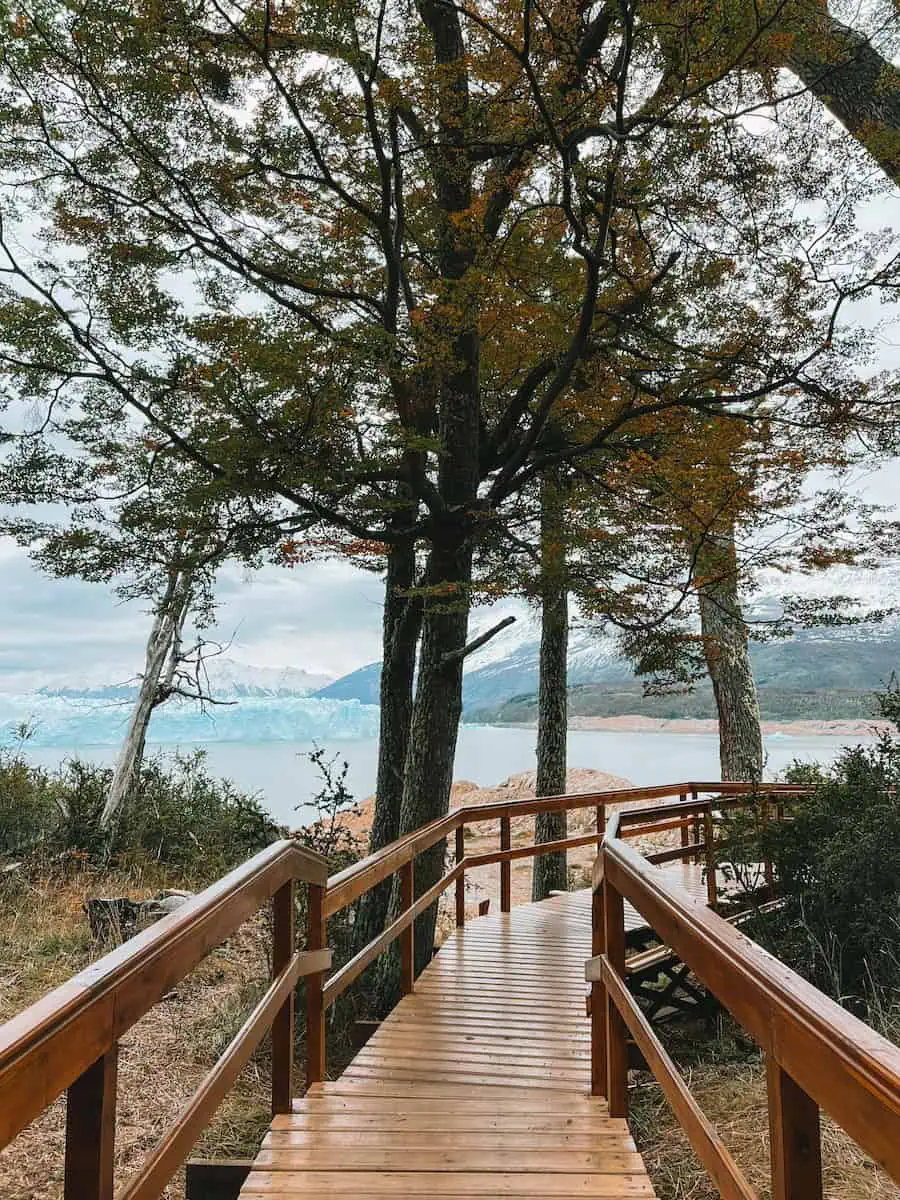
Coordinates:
44 939
727 1078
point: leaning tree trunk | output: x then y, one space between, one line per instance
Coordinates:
845 71
400 637
726 648
550 870
161 659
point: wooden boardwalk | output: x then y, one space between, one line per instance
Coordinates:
477 1084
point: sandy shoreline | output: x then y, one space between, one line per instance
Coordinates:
636 724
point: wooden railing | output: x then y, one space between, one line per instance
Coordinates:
818 1056
399 857
68 1040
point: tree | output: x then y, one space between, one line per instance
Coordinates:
163 547
550 870
845 71
164 659
351 261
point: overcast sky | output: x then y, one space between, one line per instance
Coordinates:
324 618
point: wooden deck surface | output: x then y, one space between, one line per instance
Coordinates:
477 1084
689 876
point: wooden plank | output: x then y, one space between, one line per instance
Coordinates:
351 970
283 946
845 1066
507 854
460 882
316 934
477 1138
505 873
456 1183
709 1147
599 1082
498 1048
407 937
50 1044
433 1158
159 1166
469 1078
338 1096
437 1097
616 1051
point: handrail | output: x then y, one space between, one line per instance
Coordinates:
354 881
818 1054
347 886
69 1038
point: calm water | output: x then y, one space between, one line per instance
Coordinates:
281 773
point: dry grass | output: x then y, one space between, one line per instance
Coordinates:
44 938
733 1097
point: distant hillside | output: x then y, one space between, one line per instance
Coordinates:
802 676
616 700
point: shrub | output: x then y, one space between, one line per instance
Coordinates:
179 817
838 867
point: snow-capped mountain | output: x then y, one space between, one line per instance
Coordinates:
278 704
228 679
851 656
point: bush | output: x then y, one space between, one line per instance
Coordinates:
838 867
179 817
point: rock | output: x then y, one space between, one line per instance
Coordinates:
115 919
161 906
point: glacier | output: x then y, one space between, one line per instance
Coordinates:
74 722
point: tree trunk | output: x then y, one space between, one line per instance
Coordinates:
436 715
725 646
550 870
400 637
160 662
850 77
454 512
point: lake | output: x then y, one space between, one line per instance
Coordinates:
285 779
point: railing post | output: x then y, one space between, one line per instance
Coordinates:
616 1046
91 1131
696 826
461 880
710 855
601 822
407 937
315 1009
794 1140
685 833
505 867
767 862
598 996
283 945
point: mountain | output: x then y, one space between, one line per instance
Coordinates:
848 659
228 678
362 685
